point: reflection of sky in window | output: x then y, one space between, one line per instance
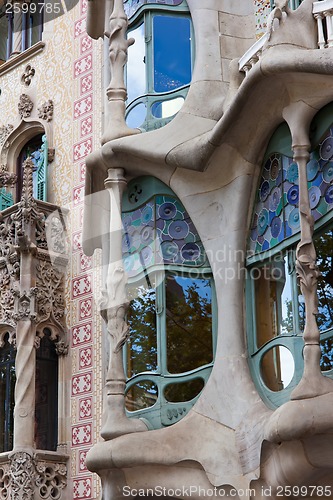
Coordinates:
202 286
136 68
172 52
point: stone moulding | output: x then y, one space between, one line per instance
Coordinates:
38 476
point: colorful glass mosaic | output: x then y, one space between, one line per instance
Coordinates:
131 6
160 232
276 215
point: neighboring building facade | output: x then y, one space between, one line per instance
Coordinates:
151 321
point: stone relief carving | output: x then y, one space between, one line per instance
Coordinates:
7 178
22 475
5 130
25 106
28 75
26 477
51 479
50 293
45 111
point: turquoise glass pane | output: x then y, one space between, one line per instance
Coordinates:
171 52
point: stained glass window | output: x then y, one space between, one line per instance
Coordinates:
170 350
276 215
276 309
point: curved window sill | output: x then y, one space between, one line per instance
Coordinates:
22 57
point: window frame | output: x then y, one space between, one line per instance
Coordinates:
144 16
280 143
164 412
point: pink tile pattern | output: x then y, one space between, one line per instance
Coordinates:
81 286
86 83
86 126
82 334
85 358
78 195
85 408
81 384
82 149
85 309
79 27
85 44
81 435
82 65
82 488
83 106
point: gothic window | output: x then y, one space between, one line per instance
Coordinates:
275 303
7 385
46 422
170 351
36 149
46 392
159 67
31 20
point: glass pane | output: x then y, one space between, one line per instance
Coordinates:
3 38
326 361
3 409
141 319
324 248
136 115
136 67
141 395
188 323
131 6
172 54
185 391
167 108
277 368
46 411
273 300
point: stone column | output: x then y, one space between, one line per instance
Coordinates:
313 383
17 29
25 314
114 306
116 92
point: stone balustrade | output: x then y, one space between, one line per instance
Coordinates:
322 12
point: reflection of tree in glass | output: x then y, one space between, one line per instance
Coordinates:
141 319
324 248
141 395
188 324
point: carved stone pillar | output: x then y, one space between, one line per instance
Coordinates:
116 91
114 306
313 383
25 314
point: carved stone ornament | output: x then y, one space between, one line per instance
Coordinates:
25 305
25 478
5 130
9 270
45 111
50 294
28 75
6 178
22 475
25 106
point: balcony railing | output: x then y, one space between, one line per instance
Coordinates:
323 13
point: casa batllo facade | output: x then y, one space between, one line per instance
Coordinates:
166 249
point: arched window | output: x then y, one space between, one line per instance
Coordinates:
159 67
170 351
37 150
275 304
7 386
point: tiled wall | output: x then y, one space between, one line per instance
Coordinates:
86 384
262 10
